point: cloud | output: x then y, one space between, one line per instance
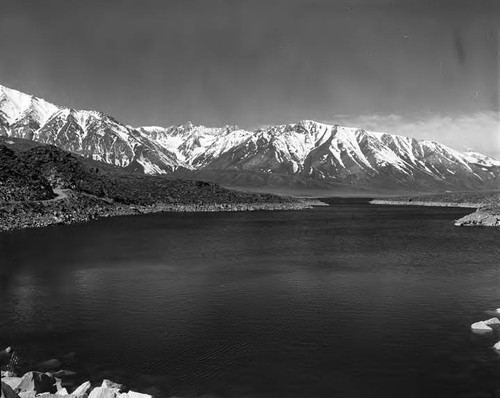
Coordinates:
478 131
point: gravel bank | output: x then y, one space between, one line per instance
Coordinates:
81 208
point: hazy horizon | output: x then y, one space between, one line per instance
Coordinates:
427 70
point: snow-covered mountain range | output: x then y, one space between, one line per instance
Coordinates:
87 133
300 153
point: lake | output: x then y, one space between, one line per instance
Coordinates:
350 300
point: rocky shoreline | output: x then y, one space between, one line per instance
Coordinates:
76 208
44 186
52 379
60 377
484 216
45 384
424 203
480 218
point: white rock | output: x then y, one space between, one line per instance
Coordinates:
27 394
480 326
111 384
103 392
81 390
63 392
13 382
497 346
492 321
133 394
6 391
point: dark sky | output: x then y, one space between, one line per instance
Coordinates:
255 62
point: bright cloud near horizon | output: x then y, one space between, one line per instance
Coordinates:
430 66
478 132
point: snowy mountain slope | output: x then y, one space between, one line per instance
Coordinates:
294 154
353 156
88 133
194 145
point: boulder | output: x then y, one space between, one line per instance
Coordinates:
51 364
497 346
133 394
82 390
492 321
104 392
481 326
13 382
153 391
27 394
62 392
111 384
38 382
7 391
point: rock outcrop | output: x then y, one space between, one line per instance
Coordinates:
487 205
480 218
38 382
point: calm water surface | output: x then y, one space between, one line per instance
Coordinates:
351 300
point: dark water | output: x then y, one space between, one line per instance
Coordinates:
346 301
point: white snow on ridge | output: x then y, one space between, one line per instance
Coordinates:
15 104
43 109
149 168
83 117
293 143
483 160
309 147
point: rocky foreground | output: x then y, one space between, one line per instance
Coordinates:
43 185
60 377
487 205
37 384
51 381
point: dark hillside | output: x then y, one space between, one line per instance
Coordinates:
19 180
86 189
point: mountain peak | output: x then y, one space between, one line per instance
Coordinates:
16 105
303 151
